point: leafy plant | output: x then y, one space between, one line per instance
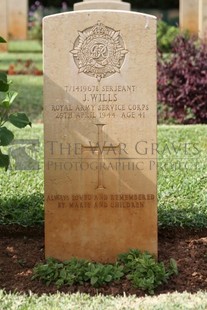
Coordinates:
62 273
2 40
100 274
19 120
129 260
166 34
144 271
76 271
182 82
141 268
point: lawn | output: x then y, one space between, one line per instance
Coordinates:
29 87
29 46
30 95
79 301
6 59
182 176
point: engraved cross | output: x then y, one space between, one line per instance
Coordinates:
100 148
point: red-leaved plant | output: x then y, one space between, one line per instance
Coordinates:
182 82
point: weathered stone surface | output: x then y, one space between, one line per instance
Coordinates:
17 19
3 24
189 15
100 134
203 19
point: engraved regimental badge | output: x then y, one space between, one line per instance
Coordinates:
99 51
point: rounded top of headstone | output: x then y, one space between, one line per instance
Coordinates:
102 4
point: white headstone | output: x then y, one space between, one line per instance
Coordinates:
100 134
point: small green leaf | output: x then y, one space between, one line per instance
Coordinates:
94 280
2 40
63 274
59 282
4 161
108 278
173 266
10 96
3 77
19 120
6 136
4 85
48 282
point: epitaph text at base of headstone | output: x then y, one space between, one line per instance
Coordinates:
100 134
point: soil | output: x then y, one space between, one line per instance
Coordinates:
21 248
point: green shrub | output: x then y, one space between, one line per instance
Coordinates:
144 271
166 34
62 273
19 120
141 268
76 271
182 80
100 274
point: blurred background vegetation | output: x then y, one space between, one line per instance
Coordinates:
136 4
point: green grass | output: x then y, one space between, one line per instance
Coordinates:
21 192
11 58
182 193
182 177
28 87
23 50
79 301
25 46
30 95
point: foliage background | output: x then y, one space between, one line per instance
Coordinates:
158 4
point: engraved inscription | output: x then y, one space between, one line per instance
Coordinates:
101 102
113 201
100 111
100 148
99 51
